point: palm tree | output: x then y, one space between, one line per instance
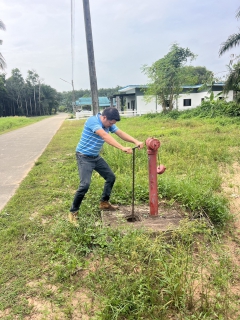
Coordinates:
2 61
233 78
233 81
232 41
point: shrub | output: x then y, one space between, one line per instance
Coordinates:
208 109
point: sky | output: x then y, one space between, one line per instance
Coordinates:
127 34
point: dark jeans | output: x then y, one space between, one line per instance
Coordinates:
86 165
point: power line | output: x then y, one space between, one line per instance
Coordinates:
72 49
72 35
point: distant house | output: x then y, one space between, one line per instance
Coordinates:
132 97
85 103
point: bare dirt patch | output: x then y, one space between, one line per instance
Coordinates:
79 305
168 217
231 187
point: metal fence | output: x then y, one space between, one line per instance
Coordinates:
127 114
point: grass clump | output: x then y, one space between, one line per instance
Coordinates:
229 111
125 274
11 123
172 278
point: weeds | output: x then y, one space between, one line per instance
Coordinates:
130 275
12 123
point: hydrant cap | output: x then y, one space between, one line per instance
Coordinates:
161 169
153 143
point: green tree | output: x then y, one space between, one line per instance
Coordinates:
233 80
66 99
50 99
2 60
233 77
198 75
108 92
28 94
33 80
3 95
167 76
66 96
15 86
232 41
26 97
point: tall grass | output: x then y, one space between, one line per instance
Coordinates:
11 123
128 274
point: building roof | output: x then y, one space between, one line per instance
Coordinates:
133 87
87 101
219 84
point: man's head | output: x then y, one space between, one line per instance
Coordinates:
110 116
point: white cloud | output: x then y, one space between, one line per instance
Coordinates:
126 35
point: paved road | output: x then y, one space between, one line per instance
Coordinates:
19 149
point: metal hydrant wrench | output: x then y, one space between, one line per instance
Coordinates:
132 217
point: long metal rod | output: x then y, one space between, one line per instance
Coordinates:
133 181
72 51
91 60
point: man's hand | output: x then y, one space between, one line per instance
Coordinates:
127 149
139 144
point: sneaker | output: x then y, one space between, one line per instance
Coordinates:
105 205
73 218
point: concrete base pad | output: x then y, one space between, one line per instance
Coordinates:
167 219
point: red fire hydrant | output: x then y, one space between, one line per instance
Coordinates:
152 150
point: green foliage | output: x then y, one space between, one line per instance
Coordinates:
66 97
216 108
3 92
30 97
233 79
12 123
166 281
208 109
167 76
2 60
198 75
128 274
232 41
219 108
62 108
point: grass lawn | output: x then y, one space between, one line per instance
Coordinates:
52 270
11 123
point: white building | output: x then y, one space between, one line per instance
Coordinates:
190 98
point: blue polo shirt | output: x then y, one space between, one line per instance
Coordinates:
90 143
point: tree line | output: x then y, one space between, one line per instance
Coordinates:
26 97
32 97
66 97
167 76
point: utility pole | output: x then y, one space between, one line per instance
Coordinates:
91 60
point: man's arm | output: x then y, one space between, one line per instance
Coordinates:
126 137
110 140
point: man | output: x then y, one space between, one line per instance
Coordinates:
95 133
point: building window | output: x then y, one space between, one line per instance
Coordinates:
186 102
128 105
133 104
